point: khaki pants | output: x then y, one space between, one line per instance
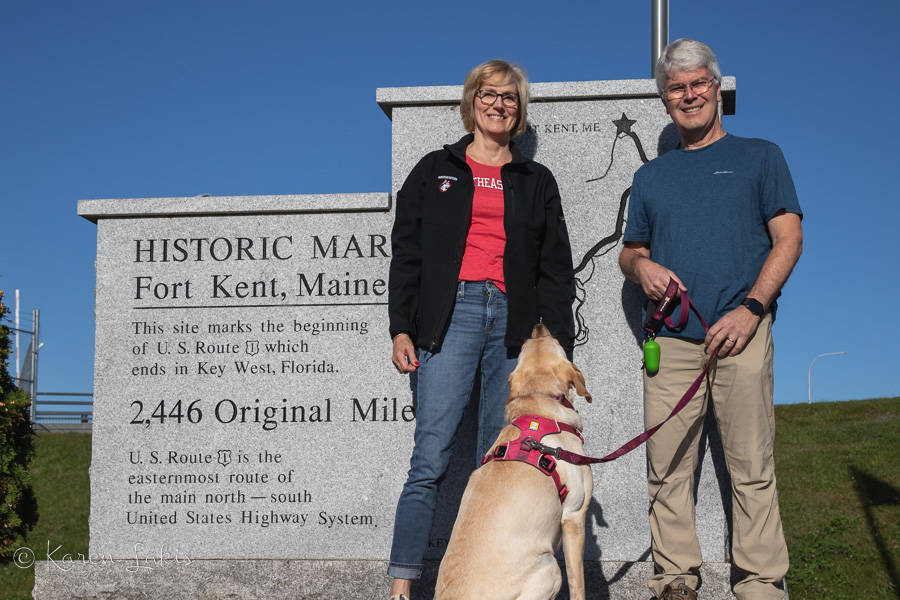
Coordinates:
741 391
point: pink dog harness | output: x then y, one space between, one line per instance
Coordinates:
528 448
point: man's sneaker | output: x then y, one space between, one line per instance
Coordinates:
677 590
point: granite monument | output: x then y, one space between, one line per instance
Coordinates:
250 436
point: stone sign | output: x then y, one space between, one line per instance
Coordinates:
243 404
250 436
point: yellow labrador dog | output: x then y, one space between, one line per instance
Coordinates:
514 512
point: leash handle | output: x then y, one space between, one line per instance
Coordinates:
655 320
686 305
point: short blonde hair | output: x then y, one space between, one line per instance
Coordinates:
510 73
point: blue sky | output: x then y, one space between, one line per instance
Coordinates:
128 99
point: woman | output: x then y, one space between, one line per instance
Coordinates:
480 255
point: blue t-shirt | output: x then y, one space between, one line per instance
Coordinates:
704 214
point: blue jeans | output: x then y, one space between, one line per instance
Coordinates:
445 381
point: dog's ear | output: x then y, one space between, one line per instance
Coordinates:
576 378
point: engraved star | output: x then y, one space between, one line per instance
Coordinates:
623 125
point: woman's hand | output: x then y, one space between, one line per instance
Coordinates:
404 356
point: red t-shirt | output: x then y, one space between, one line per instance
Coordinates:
483 258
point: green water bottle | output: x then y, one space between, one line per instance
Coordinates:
651 355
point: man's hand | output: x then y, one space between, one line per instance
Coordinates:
404 356
731 333
652 277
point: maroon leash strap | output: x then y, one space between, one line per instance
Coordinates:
659 315
655 321
578 459
686 305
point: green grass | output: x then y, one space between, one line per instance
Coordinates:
60 470
839 488
838 482
838 467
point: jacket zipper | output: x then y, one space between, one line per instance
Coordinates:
512 194
512 201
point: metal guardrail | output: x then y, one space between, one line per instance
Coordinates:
72 414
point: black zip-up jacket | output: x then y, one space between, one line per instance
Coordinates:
434 210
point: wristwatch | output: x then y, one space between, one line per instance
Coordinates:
754 306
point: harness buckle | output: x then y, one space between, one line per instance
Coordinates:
530 443
546 464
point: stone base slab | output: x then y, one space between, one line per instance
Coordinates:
305 580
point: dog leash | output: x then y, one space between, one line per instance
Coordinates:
655 320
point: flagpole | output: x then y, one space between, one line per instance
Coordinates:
659 25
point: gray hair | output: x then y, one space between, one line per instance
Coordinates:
685 55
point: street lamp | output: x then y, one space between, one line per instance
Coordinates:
809 383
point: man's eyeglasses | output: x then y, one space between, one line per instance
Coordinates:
700 86
489 97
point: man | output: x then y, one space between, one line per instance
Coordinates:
719 215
